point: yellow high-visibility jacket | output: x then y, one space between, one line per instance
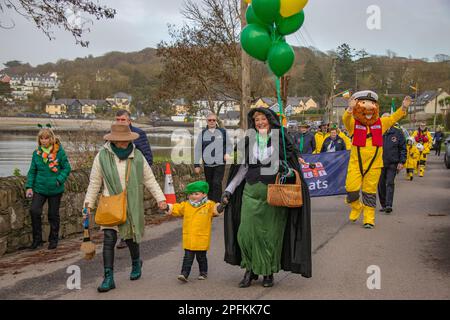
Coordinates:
426 145
197 224
412 157
320 138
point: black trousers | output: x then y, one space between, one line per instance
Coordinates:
53 216
386 185
189 259
109 244
438 149
214 177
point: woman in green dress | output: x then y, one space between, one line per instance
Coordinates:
261 238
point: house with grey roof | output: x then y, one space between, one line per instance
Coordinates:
429 101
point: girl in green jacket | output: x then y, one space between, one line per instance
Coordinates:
48 172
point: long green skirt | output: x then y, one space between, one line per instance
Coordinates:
260 234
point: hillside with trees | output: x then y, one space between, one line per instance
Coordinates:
153 75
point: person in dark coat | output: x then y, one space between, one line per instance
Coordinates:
141 143
213 148
437 141
304 140
394 159
260 238
333 143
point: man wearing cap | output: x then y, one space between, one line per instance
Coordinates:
423 136
304 140
320 136
362 121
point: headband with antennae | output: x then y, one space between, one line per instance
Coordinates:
48 125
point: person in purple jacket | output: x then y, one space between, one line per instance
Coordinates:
141 143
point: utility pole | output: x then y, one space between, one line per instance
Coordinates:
329 109
435 108
245 82
415 104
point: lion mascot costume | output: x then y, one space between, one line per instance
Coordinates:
363 123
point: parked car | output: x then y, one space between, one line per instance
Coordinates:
447 152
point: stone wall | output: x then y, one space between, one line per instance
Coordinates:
15 221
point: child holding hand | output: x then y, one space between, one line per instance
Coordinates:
197 213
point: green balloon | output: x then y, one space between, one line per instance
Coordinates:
281 58
266 10
256 41
291 24
251 17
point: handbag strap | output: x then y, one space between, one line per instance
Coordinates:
297 178
128 173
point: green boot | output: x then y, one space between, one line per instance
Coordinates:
108 281
136 269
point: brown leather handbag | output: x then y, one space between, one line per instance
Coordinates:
112 210
285 195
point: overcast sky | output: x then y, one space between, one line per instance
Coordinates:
408 27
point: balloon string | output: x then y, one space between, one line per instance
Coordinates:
280 104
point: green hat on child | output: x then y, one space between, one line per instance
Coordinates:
197 186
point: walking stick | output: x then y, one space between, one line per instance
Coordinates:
87 247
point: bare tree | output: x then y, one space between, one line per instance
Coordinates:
71 15
202 62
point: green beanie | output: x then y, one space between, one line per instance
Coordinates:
197 186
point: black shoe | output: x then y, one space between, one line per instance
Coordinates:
52 245
388 210
36 244
382 209
247 280
268 281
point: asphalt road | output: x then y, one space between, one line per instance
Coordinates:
410 248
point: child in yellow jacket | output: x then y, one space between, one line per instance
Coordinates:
197 215
412 158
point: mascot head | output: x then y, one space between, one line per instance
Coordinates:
367 108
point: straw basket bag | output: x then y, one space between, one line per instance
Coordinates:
285 195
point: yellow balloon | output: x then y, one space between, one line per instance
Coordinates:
290 7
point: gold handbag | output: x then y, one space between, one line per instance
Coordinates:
285 195
112 210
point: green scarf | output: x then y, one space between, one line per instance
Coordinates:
133 228
199 203
262 141
122 154
302 141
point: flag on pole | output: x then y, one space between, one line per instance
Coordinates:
346 94
393 108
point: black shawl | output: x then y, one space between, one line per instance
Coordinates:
296 252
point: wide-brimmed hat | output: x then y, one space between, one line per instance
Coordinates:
121 132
